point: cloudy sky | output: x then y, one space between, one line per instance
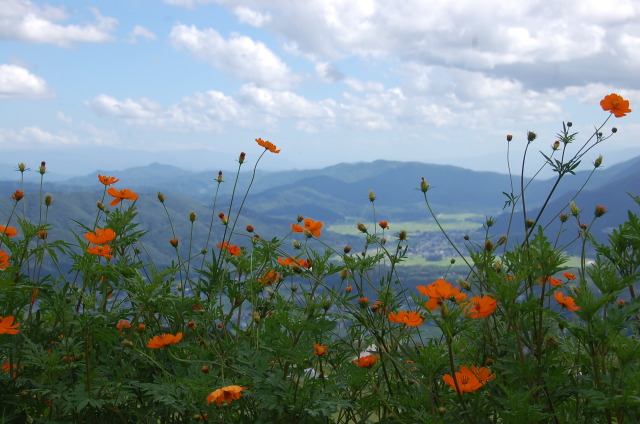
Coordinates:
104 84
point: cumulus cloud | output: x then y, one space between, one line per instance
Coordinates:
238 56
25 21
249 16
140 32
18 82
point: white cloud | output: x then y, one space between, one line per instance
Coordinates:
34 136
18 82
249 16
238 56
25 21
140 32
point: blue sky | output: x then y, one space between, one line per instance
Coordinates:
88 85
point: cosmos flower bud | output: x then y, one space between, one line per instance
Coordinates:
347 249
564 217
569 124
488 245
249 228
529 223
614 130
296 245
556 145
22 167
348 289
241 158
174 242
161 197
597 162
100 206
502 240
361 227
600 210
490 222
48 199
219 179
424 185
574 209
43 168
192 216
223 218
509 137
372 196
402 235
531 136
466 237
344 273
17 195
464 284
363 302
300 218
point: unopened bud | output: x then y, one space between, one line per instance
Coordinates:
249 228
531 136
464 284
424 185
600 210
509 137
344 274
192 216
574 209
100 206
569 124
556 145
363 302
348 289
529 223
488 245
43 168
597 162
205 369
564 217
466 237
48 199
219 179
402 235
362 227
490 222
347 249
174 242
296 244
614 130
161 197
621 304
22 167
502 240
372 196
241 158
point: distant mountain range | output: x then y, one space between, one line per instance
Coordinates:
336 194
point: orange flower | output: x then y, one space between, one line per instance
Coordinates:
469 380
366 361
174 242
553 281
296 228
8 231
482 307
312 227
569 276
121 195
319 349
102 250
7 326
42 234
122 324
408 318
226 394
17 195
291 261
232 249
7 367
384 225
107 180
101 236
616 105
164 340
4 259
267 145
269 278
439 291
566 301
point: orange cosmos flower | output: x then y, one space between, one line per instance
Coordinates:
7 367
106 180
8 231
7 326
102 250
614 103
4 259
121 195
122 324
319 349
17 195
569 276
174 242
469 380
291 261
296 228
408 318
226 394
384 225
101 236
269 278
482 307
232 249
366 361
553 281
312 227
267 145
566 301
439 291
164 340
